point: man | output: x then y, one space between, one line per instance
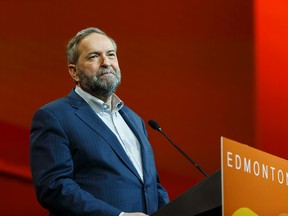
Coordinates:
90 154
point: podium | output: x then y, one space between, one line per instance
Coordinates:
250 182
203 199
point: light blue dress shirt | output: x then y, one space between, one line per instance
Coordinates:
112 118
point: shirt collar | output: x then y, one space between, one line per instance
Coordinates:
97 104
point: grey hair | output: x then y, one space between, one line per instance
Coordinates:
72 52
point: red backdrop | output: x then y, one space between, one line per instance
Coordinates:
187 64
271 63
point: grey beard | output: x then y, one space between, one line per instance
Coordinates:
100 88
103 88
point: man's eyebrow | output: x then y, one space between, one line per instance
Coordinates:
98 52
111 51
93 52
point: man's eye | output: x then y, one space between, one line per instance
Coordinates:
112 54
93 56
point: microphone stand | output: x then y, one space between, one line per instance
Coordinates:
155 126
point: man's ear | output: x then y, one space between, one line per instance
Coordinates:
73 72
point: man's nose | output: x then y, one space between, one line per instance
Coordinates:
105 61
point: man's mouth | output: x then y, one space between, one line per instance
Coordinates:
106 74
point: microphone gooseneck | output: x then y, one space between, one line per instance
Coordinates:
153 124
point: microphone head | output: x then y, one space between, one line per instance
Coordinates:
153 124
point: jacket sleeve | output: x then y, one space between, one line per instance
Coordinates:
52 171
163 198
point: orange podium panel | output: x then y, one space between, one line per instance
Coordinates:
253 182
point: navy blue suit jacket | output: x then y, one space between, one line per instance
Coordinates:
80 168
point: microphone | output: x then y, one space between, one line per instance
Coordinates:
153 124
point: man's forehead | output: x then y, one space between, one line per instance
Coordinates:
96 40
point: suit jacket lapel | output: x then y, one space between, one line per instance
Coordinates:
141 138
87 115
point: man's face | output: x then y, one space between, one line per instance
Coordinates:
97 70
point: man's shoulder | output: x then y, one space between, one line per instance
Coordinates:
127 111
56 103
62 103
